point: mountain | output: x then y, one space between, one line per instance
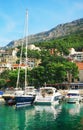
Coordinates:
56 32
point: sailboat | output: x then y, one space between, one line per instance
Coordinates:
24 99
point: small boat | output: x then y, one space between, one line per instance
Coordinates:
9 96
2 101
73 96
26 98
48 95
1 93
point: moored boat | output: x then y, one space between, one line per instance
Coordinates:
48 95
9 96
73 96
26 98
2 101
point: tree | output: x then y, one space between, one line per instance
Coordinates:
37 76
2 83
12 78
55 73
71 71
4 78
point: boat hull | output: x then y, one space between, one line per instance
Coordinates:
22 101
72 100
9 100
48 100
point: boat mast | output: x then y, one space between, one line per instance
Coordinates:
18 76
26 42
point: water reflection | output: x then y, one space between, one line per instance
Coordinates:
41 117
25 117
37 117
48 109
73 109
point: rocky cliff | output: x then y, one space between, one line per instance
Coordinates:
56 32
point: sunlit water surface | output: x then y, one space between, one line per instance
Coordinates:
61 117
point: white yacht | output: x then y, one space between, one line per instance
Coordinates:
73 96
48 95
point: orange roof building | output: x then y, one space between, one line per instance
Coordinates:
80 65
15 66
80 68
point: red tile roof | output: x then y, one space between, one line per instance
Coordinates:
17 65
80 65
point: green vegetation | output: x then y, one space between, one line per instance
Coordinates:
50 71
62 44
53 68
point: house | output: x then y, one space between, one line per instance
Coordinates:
33 47
80 68
75 55
31 63
7 59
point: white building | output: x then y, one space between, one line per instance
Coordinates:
33 47
76 56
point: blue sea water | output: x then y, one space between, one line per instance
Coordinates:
60 117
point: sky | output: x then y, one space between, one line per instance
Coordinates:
43 15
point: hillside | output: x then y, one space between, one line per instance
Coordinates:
59 31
